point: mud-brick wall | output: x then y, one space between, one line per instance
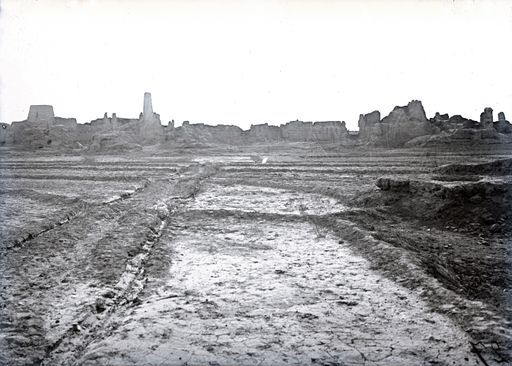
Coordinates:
329 131
263 133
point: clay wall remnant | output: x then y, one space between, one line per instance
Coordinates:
486 118
368 120
502 125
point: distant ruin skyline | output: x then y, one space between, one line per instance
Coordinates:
245 63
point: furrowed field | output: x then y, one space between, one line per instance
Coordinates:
212 257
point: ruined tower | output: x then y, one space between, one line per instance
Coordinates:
486 118
151 127
147 111
42 114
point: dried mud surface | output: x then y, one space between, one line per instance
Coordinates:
218 259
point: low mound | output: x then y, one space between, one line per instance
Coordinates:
471 206
496 167
458 231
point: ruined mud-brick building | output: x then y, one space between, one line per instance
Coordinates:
502 125
117 133
401 125
42 114
328 131
407 125
295 131
41 128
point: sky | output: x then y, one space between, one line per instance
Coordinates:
249 62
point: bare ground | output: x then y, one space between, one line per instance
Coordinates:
218 260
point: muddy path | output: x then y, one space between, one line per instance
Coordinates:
239 278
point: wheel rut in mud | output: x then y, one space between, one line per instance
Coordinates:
95 324
99 258
79 208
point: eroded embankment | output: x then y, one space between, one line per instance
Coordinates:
458 230
447 275
256 279
470 197
484 205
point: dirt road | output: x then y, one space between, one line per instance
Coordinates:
254 281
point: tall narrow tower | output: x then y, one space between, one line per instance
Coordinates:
147 112
151 127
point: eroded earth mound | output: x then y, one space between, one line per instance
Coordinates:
457 221
474 197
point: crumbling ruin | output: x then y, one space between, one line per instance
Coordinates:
150 126
486 118
41 129
502 125
42 114
407 125
400 126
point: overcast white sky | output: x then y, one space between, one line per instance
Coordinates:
244 62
